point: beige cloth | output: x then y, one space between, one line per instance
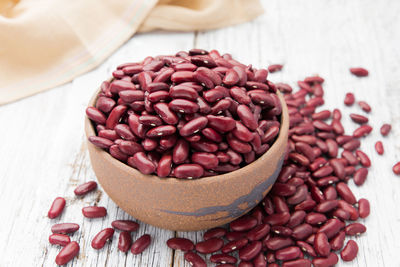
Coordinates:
45 43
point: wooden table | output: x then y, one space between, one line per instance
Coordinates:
43 148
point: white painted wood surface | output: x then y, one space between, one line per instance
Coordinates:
43 152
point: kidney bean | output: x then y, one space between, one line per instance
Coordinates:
379 148
56 208
117 153
124 241
94 212
359 72
363 207
349 208
101 238
140 244
321 244
237 145
277 219
299 196
349 99
221 124
59 239
250 251
104 104
395 169
361 131
355 229
288 253
210 245
345 193
180 243
141 161
331 227
297 263
207 160
223 258
247 117
64 228
350 251
281 230
188 171
275 67
296 218
214 232
315 218
331 260
67 253
302 231
125 225
304 246
360 176
85 188
364 159
337 241
166 114
276 243
385 129
194 259
100 142
281 189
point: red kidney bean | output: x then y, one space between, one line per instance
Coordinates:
302 231
193 126
351 159
140 244
59 239
364 106
180 243
299 196
314 218
396 168
243 223
349 99
304 246
115 116
297 263
355 229
67 253
349 208
275 243
223 258
337 241
259 232
277 219
250 251
149 144
364 159
108 134
124 241
247 117
358 118
207 160
180 152
379 148
188 171
275 68
321 244
341 214
125 225
361 131
96 115
129 147
221 124
166 114
56 208
360 176
331 227
194 259
105 104
94 212
296 218
85 188
288 253
345 193
64 228
164 165
331 260
385 129
359 72
350 251
101 238
142 162
281 189
117 153
210 245
363 207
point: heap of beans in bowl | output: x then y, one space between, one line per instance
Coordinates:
189 115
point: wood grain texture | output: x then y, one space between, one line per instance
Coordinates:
43 153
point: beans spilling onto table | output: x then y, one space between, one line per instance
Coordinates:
190 115
305 218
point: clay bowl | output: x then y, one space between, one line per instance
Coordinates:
186 205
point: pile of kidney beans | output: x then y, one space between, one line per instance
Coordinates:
305 218
191 115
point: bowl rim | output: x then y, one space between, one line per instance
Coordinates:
90 131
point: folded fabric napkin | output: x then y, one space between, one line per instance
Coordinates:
45 43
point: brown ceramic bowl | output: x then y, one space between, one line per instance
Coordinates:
186 205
